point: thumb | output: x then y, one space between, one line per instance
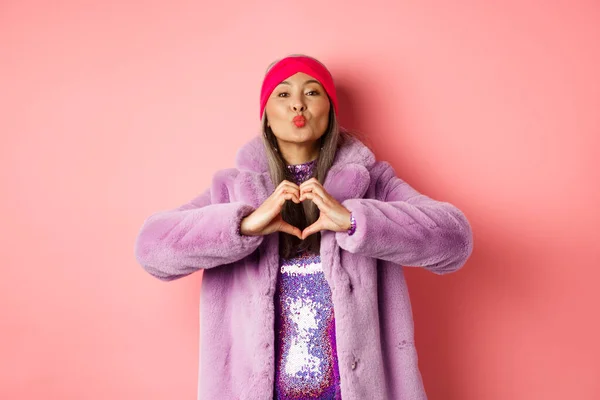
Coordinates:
287 228
309 230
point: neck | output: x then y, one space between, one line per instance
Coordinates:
299 153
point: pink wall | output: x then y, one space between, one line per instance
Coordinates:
109 112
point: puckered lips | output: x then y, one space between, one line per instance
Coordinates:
299 121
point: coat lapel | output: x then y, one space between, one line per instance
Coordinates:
347 178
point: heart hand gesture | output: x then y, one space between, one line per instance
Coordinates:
267 218
333 216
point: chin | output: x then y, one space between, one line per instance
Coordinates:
297 135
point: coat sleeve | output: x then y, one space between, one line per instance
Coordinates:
203 233
408 228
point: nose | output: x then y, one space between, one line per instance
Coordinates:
298 106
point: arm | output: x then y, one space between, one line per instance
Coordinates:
408 228
200 234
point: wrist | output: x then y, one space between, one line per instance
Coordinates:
242 229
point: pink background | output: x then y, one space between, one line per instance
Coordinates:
112 111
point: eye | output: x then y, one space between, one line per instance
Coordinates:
280 94
313 91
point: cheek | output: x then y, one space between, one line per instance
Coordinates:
321 110
275 111
322 105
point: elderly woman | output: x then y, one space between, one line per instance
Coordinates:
302 247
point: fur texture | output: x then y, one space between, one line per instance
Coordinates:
396 227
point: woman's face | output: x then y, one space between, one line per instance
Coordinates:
300 94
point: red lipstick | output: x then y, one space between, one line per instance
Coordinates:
299 121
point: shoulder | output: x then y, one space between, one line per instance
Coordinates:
223 182
383 176
233 184
225 176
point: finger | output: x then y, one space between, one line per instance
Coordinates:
288 189
288 196
310 181
289 184
294 195
317 200
320 190
285 181
305 189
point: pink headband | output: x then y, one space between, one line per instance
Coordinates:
288 67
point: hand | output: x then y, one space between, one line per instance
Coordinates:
333 215
267 218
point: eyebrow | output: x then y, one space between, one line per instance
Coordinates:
308 81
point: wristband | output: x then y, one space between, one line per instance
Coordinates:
352 225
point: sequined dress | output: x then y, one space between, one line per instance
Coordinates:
305 352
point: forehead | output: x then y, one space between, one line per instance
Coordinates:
299 78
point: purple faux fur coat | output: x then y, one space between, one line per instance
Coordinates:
396 227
